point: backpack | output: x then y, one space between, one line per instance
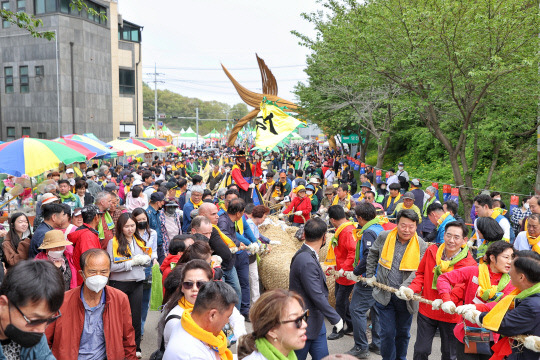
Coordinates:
158 354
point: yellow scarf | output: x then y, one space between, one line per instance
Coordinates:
533 242
217 343
441 219
269 183
390 200
184 304
117 258
486 291
492 321
411 257
215 174
498 211
239 225
331 256
347 199
227 240
196 206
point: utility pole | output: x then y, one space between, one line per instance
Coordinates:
155 97
197 124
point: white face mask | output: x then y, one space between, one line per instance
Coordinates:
400 167
526 206
96 283
309 192
109 176
56 254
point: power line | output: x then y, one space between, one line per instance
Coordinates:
220 69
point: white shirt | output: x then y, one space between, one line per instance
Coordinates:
391 180
329 176
521 242
186 347
255 356
236 321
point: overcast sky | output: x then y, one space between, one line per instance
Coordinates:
188 40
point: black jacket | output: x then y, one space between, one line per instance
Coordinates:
308 279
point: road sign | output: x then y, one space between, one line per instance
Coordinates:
350 139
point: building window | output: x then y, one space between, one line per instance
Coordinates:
25 131
41 135
10 133
129 32
5 6
21 5
40 70
127 82
45 6
8 76
23 78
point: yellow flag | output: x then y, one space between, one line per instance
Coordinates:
206 172
273 125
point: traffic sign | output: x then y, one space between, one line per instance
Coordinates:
350 139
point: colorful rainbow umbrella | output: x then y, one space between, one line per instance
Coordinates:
35 156
77 147
128 148
141 143
96 144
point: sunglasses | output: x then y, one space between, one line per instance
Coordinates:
37 322
298 320
188 285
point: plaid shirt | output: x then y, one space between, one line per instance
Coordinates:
516 216
165 234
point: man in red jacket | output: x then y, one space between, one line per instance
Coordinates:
96 319
345 251
85 237
452 254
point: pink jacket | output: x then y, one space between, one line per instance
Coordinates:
68 253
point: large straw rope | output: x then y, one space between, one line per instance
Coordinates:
531 342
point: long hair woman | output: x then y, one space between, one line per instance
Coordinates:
17 241
130 256
194 274
279 327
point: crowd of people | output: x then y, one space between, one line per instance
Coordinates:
78 279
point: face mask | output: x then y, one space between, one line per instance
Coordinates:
142 225
96 283
400 167
499 199
526 206
109 176
309 192
56 254
26 339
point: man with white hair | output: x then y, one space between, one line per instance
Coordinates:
195 200
427 226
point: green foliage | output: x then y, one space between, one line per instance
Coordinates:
32 24
173 104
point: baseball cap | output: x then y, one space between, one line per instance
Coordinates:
171 185
70 171
90 173
408 195
366 184
110 187
171 203
415 182
157 196
137 182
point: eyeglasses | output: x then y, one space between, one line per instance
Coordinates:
36 322
298 320
188 285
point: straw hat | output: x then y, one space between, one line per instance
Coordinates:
52 239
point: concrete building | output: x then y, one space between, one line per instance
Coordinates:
310 132
89 79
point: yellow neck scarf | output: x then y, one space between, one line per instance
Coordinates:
217 343
195 206
441 219
184 304
331 256
411 257
390 200
269 183
486 291
215 174
533 242
117 258
227 240
239 225
347 199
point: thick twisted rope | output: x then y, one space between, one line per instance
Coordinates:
531 342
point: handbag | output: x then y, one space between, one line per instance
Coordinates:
158 354
477 340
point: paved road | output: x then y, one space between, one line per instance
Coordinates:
149 343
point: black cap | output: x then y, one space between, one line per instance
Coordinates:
171 185
110 187
157 196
